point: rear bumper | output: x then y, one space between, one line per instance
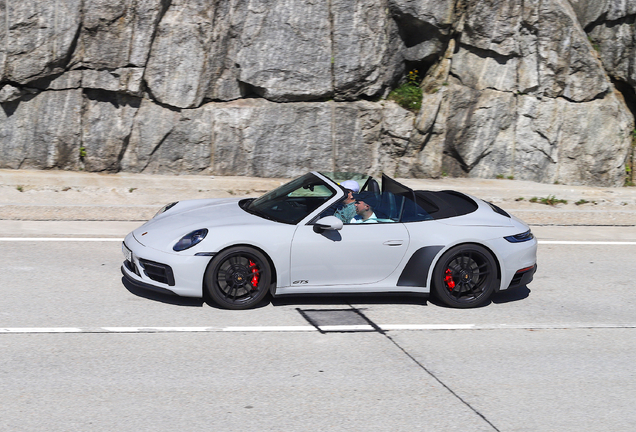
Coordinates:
522 278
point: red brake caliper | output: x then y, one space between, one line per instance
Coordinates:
448 280
254 274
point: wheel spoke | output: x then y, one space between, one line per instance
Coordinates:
473 265
238 277
466 276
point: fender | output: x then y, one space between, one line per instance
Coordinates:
416 271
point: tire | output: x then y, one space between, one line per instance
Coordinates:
465 276
238 278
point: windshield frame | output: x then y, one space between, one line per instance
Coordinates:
274 205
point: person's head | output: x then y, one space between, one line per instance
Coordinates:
352 185
364 204
348 196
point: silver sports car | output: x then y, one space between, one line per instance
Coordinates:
332 233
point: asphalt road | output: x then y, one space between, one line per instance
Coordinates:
81 351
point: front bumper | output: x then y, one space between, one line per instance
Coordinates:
125 269
174 273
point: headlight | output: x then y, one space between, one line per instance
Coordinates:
166 208
189 240
518 238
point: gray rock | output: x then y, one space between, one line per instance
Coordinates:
168 141
194 53
479 131
41 131
286 50
264 122
593 143
124 80
277 87
615 42
177 72
106 125
366 49
152 124
436 13
592 11
251 138
36 37
9 93
537 49
397 129
65 81
356 136
493 26
299 51
424 27
116 33
489 133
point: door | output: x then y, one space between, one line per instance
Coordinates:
356 254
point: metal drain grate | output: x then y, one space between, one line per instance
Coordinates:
338 320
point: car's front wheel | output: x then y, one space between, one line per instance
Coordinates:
238 278
465 276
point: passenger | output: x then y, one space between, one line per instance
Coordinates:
348 210
352 185
364 208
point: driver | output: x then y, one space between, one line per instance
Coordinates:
348 210
364 208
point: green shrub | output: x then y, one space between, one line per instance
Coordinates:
550 200
409 94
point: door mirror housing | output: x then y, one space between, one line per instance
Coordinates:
328 223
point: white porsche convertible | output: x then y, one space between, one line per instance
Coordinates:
295 240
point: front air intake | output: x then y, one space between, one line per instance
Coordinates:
158 272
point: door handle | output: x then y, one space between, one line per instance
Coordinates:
393 243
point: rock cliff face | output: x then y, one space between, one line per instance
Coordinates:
535 89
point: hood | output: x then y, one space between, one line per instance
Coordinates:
164 230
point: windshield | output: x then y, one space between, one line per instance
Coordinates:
292 202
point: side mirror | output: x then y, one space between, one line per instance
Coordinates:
327 223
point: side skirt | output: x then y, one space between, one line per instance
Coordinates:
348 289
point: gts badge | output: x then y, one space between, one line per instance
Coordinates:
300 282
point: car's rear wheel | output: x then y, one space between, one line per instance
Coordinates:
238 278
465 276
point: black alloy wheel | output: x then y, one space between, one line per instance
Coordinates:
238 278
465 276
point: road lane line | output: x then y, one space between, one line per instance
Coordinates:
327 328
576 242
269 329
30 330
60 239
428 327
157 329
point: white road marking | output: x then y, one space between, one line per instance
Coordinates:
61 239
30 330
328 328
269 329
575 242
